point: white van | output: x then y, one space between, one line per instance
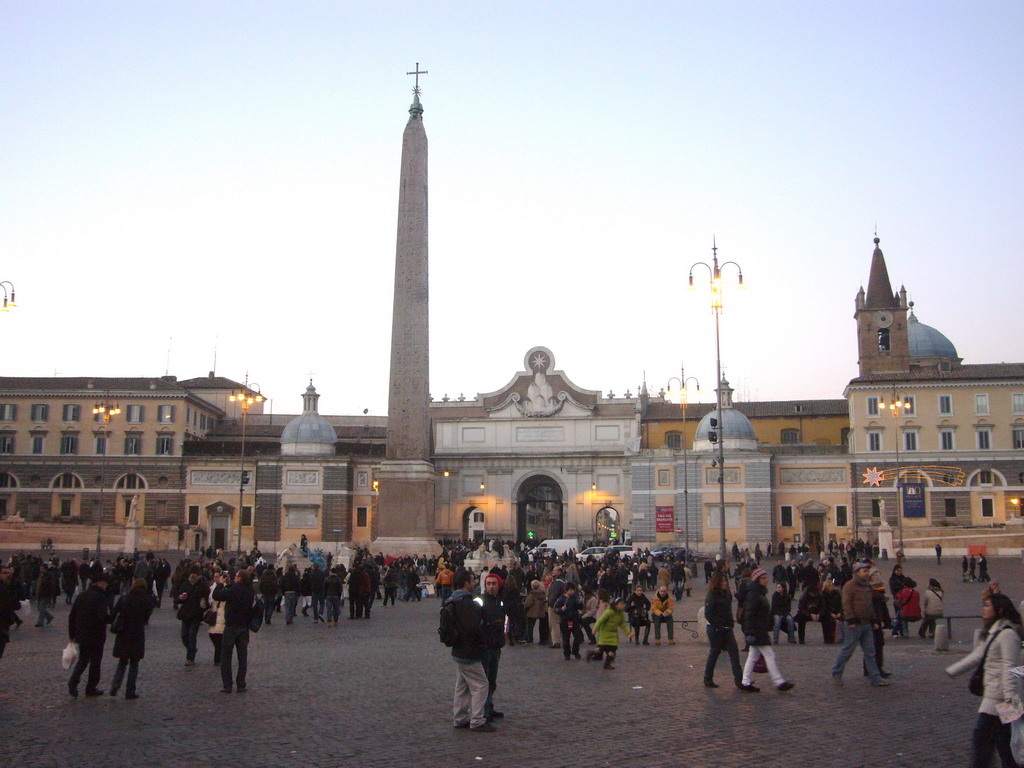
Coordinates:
561 546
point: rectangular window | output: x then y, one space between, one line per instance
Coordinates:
6 444
874 441
3 508
988 508
165 414
981 405
127 508
910 441
8 411
945 405
69 444
1018 439
65 508
37 444
101 445
164 445
132 445
193 514
909 405
674 441
876 507
984 439
72 412
360 517
786 517
135 414
161 511
872 406
946 441
1018 402
985 477
842 516
202 421
246 515
950 507
40 412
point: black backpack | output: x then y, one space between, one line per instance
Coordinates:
448 628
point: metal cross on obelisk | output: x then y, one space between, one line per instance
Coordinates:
418 72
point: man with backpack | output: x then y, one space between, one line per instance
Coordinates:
462 630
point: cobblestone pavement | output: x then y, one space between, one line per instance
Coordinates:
378 693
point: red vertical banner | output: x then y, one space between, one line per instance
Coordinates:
664 519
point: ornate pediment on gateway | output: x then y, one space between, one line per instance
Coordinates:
540 390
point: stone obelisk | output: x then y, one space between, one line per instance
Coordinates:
405 510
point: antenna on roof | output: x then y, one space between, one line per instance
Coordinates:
214 371
167 368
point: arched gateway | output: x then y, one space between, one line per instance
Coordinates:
539 509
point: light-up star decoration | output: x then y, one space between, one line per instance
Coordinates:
873 476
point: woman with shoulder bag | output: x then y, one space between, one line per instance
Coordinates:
129 619
214 617
991 664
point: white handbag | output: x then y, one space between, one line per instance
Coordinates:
70 655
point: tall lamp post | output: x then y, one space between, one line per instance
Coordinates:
245 398
896 406
8 305
682 396
103 411
715 270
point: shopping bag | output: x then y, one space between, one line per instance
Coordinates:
760 665
1017 740
70 655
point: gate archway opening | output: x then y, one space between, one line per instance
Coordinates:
539 510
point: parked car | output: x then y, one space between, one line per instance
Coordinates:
596 552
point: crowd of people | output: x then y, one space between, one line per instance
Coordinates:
556 601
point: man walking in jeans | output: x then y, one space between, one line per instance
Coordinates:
470 679
859 611
238 602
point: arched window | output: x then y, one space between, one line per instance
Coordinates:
67 480
131 482
7 480
883 339
790 436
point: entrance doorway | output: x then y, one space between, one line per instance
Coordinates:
814 532
539 507
606 526
473 524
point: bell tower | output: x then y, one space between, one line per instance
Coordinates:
883 344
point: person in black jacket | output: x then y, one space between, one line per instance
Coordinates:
569 608
87 626
757 623
782 608
130 640
194 600
638 606
718 615
492 627
9 603
468 650
316 588
239 602
332 595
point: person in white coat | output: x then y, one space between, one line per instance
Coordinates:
999 646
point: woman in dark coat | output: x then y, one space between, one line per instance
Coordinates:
132 612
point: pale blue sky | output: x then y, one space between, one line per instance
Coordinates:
230 170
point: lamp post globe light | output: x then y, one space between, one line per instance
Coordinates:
249 394
8 305
102 411
716 434
896 407
682 396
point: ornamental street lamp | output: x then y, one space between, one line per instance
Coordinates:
896 406
8 305
715 271
245 398
102 412
682 396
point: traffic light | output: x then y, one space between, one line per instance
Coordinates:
246 476
712 434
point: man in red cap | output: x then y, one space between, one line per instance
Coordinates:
493 631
